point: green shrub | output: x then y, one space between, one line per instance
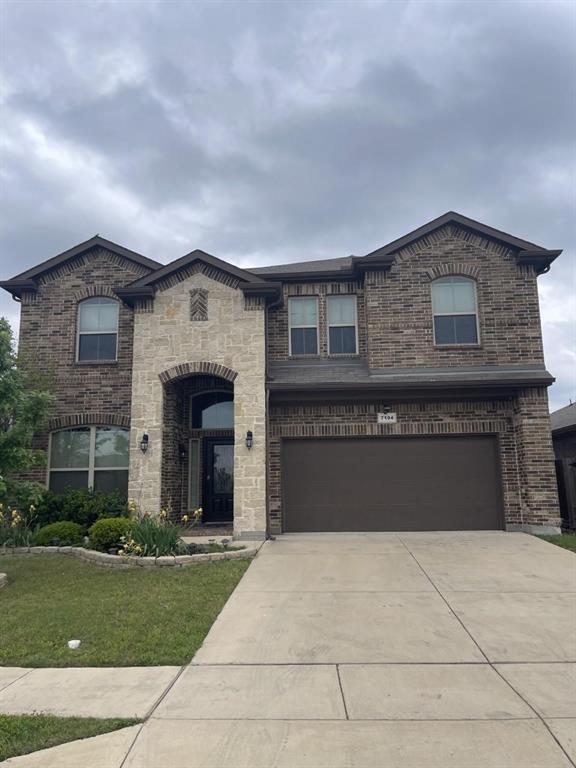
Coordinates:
81 506
63 533
154 537
107 532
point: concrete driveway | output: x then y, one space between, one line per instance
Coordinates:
433 650
398 650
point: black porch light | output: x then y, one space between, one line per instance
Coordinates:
249 439
144 442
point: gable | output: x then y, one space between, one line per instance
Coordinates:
82 255
455 225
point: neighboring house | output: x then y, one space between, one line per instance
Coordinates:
402 390
563 423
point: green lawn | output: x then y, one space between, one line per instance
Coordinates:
566 540
22 734
134 617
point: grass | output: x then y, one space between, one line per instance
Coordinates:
22 734
566 540
135 617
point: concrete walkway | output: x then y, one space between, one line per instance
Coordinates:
446 650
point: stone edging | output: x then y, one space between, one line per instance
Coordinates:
123 561
3 580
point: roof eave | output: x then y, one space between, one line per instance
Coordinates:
411 385
18 287
540 259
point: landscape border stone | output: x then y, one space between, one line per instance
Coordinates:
105 560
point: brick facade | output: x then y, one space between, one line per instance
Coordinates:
526 464
84 393
199 331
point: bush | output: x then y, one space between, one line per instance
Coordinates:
63 533
107 532
154 537
81 506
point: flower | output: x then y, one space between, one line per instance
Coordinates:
185 518
163 514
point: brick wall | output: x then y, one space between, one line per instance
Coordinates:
278 318
399 306
523 448
395 307
48 320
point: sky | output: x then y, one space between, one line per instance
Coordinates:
270 132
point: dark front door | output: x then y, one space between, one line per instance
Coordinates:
218 480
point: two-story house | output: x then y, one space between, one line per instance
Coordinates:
401 390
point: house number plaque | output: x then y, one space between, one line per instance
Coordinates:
387 418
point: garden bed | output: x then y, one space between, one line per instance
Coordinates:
132 561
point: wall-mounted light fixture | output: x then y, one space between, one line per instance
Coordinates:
182 452
249 439
144 442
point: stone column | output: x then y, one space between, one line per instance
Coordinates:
146 469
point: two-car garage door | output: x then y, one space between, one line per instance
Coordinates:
391 484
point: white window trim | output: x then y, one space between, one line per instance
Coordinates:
96 333
209 392
342 325
317 326
456 314
91 468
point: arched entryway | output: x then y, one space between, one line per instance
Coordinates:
198 447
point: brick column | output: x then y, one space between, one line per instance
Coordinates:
538 490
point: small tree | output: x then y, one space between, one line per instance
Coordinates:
23 409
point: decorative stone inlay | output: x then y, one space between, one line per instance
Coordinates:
198 304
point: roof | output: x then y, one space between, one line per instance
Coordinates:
354 372
526 252
27 280
190 258
249 283
258 278
307 267
564 419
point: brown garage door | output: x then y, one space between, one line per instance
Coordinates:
391 484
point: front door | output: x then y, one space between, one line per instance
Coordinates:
218 480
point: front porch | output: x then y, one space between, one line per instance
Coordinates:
198 450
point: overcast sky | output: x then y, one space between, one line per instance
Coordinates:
269 132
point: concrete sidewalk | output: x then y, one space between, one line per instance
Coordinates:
448 650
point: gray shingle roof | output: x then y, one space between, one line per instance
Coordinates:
563 418
329 373
320 265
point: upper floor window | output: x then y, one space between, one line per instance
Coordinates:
97 329
455 311
342 326
303 318
89 457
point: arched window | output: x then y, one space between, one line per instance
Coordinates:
213 410
97 329
89 457
455 311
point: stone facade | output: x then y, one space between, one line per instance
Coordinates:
169 347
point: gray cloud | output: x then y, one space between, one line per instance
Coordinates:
269 132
